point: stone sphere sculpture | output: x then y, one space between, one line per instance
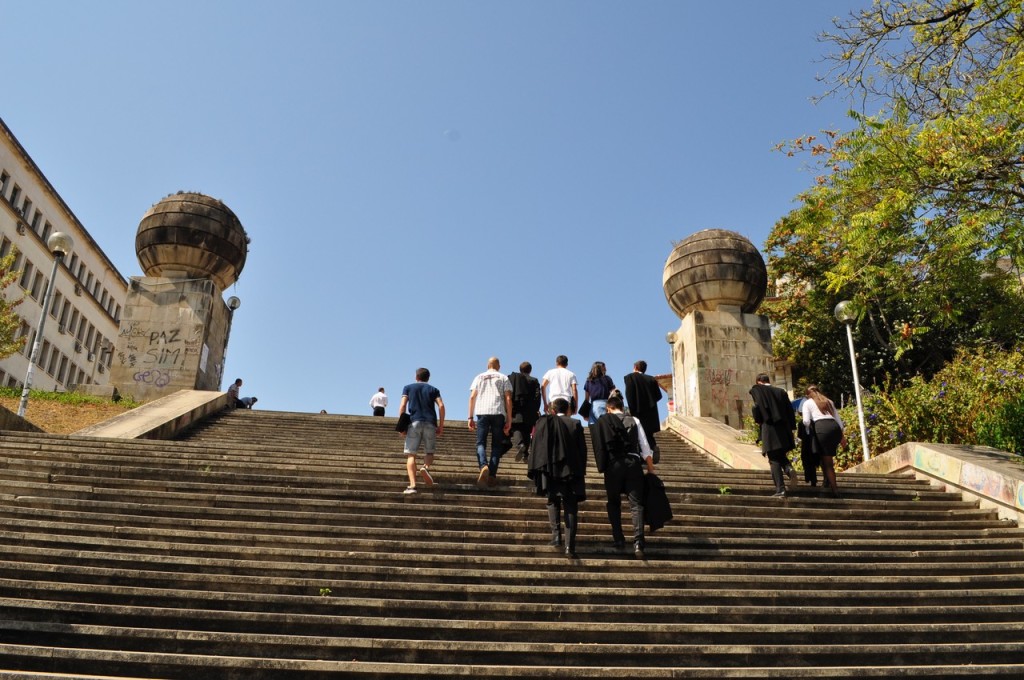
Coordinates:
714 267
193 234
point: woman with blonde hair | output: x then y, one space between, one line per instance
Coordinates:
821 418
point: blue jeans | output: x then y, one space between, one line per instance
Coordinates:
493 424
598 408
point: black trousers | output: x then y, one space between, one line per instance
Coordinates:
520 434
378 410
625 476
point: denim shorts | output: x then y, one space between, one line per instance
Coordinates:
424 431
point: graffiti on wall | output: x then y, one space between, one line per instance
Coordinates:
155 353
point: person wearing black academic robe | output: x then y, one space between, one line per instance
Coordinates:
774 414
621 452
525 408
558 467
642 396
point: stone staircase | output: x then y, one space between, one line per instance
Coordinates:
279 545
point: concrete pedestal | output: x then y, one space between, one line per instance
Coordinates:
716 359
173 337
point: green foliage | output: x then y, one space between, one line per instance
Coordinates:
724 490
72 398
929 55
920 222
1003 428
976 399
10 297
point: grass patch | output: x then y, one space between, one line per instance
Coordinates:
63 412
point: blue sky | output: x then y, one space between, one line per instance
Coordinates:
426 183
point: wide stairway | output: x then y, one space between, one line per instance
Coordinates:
280 545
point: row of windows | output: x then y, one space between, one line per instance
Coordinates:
61 367
42 228
61 308
76 376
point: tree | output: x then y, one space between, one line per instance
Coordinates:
917 214
10 322
928 55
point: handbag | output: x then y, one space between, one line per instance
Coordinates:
404 420
585 408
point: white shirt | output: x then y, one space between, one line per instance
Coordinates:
810 411
560 381
490 387
379 400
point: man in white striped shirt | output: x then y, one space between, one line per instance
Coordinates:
490 411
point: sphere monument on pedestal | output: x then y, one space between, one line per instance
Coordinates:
714 281
175 326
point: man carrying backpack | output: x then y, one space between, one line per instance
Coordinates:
621 451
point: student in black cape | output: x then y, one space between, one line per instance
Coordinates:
558 465
773 411
621 450
525 408
643 394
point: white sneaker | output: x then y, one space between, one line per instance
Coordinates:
409 489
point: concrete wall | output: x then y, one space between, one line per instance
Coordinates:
172 337
716 358
993 477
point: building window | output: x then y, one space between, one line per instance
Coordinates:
47 230
35 221
96 289
62 372
117 313
55 306
26 275
81 328
65 310
26 208
73 264
103 300
74 320
43 352
51 367
12 381
88 336
5 246
4 179
15 195
37 284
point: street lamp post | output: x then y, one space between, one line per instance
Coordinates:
60 244
844 313
671 339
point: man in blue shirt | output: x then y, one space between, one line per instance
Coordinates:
420 398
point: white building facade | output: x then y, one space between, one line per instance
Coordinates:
89 293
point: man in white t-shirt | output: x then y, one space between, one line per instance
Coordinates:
560 383
490 411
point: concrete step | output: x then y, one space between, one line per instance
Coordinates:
298 557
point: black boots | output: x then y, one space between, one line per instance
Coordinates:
556 527
571 524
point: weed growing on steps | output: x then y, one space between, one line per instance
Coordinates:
724 490
325 592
